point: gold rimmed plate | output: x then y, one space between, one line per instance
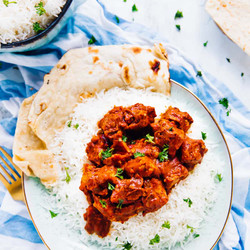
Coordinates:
56 235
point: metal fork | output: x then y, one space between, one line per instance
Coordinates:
12 176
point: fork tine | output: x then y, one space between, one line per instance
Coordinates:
8 157
4 181
10 169
9 177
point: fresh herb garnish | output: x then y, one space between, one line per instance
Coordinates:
204 136
132 142
218 178
110 187
171 129
68 178
76 126
166 224
228 112
6 2
69 124
117 19
127 246
116 239
124 0
149 138
124 138
156 239
138 154
242 74
103 203
37 28
195 235
106 154
192 229
39 9
188 200
134 8
120 204
119 173
178 14
163 155
199 74
228 60
205 44
52 214
178 26
224 102
92 40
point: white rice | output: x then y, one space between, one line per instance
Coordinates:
16 20
199 186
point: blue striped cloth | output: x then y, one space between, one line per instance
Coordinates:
21 75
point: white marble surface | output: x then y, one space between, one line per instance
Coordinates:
197 27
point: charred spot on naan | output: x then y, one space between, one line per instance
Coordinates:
92 50
136 50
95 59
155 66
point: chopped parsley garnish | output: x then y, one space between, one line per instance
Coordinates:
110 187
106 154
228 112
188 200
178 26
228 60
149 138
195 235
163 155
171 129
124 0
166 224
124 138
138 154
120 204
224 102
37 28
178 14
192 229
116 239
69 124
52 214
218 178
205 44
127 246
39 9
199 74
156 239
134 8
76 126
242 74
117 19
68 178
92 40
6 2
204 136
103 203
119 173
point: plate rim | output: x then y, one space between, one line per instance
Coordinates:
228 151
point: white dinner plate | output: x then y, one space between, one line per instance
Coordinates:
57 236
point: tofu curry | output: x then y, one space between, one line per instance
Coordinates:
135 162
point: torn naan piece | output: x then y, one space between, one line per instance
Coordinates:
80 74
233 17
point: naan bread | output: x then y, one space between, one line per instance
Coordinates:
233 17
80 74
29 152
